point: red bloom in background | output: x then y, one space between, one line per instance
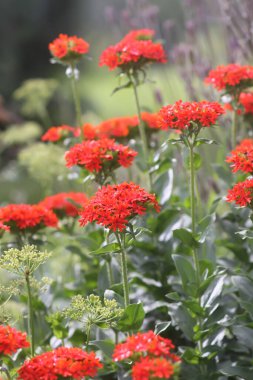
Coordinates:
246 100
242 157
180 115
120 127
68 48
142 344
99 155
72 363
134 51
232 75
152 369
241 193
114 205
24 217
65 204
11 340
55 134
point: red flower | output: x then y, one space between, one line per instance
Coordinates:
246 100
152 369
68 48
134 51
232 75
11 340
3 227
241 193
55 134
113 206
242 157
24 216
63 362
65 204
100 155
181 115
142 344
120 126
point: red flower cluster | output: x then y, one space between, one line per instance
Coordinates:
63 362
143 344
113 206
120 126
246 100
242 157
133 51
225 77
68 48
24 216
11 340
151 355
241 193
180 115
55 134
152 369
99 155
65 204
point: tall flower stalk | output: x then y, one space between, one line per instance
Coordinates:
141 126
190 118
114 206
23 263
74 73
68 50
123 256
131 55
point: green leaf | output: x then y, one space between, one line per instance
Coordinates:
186 237
109 248
162 326
244 335
213 291
186 272
122 87
132 318
197 161
201 141
106 346
233 369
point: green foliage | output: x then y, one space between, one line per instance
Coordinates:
20 134
45 163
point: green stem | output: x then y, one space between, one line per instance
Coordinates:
234 127
124 271
142 131
109 272
193 209
193 217
76 98
30 315
88 328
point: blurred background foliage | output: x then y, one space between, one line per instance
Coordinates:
197 36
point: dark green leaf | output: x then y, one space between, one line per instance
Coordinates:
132 318
186 272
109 248
186 237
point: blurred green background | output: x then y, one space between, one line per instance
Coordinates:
197 35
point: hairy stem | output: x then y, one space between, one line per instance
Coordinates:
234 127
124 271
76 98
142 131
30 315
